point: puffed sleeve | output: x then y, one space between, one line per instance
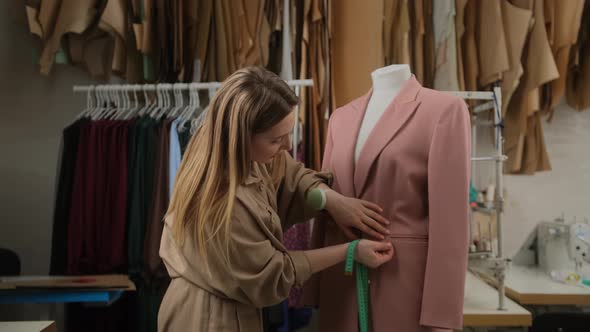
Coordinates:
448 226
263 269
297 180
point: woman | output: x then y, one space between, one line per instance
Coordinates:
236 189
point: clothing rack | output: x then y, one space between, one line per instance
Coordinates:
191 87
491 265
170 86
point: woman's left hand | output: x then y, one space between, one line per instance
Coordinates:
350 212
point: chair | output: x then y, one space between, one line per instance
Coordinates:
9 263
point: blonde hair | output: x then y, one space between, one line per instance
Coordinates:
217 159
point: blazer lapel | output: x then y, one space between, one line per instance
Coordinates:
345 141
393 119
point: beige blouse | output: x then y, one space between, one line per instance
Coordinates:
261 272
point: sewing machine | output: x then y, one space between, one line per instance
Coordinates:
562 246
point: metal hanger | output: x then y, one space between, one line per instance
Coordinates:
89 105
147 103
160 101
179 101
168 107
100 103
133 110
118 104
187 116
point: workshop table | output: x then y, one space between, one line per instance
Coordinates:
97 289
533 286
28 326
480 308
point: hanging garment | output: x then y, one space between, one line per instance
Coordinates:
469 47
254 36
422 186
445 75
175 156
418 30
113 231
61 212
96 227
315 102
539 68
460 32
190 32
226 44
517 22
429 46
272 10
82 210
356 52
97 48
566 22
134 62
41 16
396 32
163 48
206 42
535 158
578 81
147 34
141 184
98 213
201 301
93 49
154 279
154 267
179 44
74 16
491 47
114 21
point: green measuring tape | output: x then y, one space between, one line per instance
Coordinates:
362 285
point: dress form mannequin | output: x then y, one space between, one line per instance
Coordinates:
387 82
415 165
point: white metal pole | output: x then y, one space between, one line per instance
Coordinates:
499 190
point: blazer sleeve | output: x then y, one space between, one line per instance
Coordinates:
296 182
265 273
448 227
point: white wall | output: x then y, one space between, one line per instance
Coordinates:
546 195
565 189
33 111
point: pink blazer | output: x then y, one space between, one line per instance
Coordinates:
416 166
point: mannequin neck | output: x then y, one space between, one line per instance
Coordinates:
390 79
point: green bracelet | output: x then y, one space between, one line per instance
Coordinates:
362 285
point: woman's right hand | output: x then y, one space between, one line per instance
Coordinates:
373 253
350 212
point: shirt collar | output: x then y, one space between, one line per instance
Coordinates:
254 176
